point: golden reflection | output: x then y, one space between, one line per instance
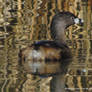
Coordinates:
22 22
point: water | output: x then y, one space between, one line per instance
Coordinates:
22 22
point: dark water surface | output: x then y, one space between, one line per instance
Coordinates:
22 22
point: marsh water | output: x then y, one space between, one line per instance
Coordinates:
25 21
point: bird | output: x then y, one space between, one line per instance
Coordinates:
50 57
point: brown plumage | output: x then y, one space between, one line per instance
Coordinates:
44 57
50 57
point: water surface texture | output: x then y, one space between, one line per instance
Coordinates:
24 21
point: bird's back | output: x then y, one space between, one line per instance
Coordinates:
45 57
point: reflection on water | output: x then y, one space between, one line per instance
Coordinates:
22 22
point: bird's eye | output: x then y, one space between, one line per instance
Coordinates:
72 18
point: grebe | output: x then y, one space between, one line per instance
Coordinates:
50 57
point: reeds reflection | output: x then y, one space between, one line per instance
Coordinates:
22 22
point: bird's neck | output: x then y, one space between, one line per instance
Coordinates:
60 37
58 31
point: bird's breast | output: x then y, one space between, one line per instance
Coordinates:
43 61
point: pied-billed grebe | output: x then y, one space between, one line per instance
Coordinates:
50 57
